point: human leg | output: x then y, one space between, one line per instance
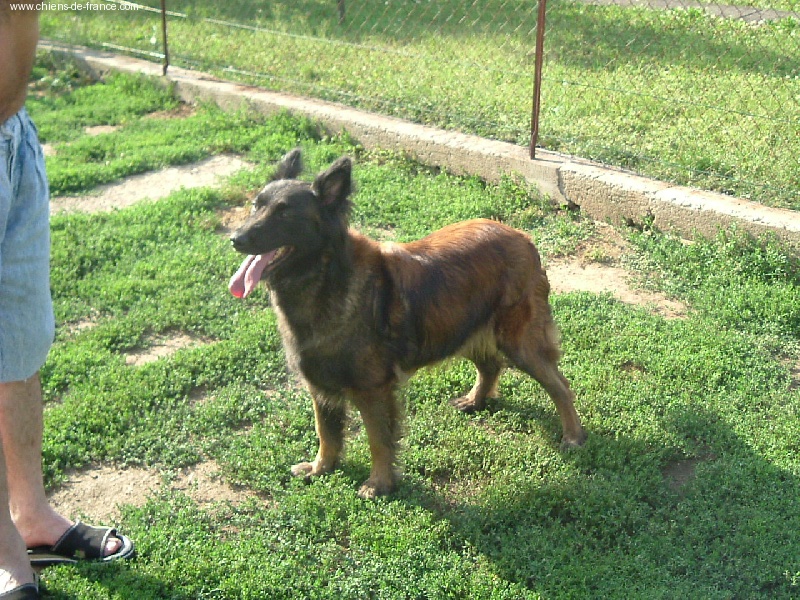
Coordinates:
26 331
15 569
21 426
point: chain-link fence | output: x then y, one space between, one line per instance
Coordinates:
687 91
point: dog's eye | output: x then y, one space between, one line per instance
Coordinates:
282 211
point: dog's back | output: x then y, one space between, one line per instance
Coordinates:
452 285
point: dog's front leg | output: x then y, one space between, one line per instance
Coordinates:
380 413
329 419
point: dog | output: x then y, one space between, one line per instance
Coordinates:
358 317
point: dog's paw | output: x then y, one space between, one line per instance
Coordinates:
372 488
303 469
370 491
310 469
468 405
576 441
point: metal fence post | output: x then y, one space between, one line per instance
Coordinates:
537 77
164 36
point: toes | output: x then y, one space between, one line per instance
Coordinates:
468 405
373 488
303 469
574 441
311 469
113 545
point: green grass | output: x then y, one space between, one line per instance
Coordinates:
677 95
488 506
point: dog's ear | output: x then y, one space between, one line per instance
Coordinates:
290 166
333 186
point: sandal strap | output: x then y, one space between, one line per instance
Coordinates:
83 541
28 591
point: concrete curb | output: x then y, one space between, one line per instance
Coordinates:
601 193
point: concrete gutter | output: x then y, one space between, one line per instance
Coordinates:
602 193
748 14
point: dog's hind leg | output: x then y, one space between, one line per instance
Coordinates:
381 416
489 367
329 418
531 344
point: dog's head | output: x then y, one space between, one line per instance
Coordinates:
292 222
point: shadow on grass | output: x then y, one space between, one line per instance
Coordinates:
114 580
623 524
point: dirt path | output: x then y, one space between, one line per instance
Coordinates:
595 267
94 494
154 186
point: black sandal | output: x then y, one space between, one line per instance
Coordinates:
81 542
27 591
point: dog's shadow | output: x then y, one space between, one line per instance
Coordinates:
619 502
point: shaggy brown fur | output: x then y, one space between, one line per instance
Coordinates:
357 317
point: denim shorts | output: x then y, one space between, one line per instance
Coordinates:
27 325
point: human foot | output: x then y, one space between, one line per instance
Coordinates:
83 542
26 591
15 569
25 587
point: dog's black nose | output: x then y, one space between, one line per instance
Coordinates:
239 239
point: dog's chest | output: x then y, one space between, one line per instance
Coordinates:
336 354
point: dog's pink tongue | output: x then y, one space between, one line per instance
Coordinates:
249 274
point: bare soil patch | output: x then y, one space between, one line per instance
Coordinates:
231 218
204 484
680 472
155 185
595 268
794 371
572 276
163 346
796 376
96 494
183 110
50 150
100 129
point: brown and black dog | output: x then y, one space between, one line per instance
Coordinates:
358 317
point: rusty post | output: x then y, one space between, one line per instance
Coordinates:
340 6
164 36
537 77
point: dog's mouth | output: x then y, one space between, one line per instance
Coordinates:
254 268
